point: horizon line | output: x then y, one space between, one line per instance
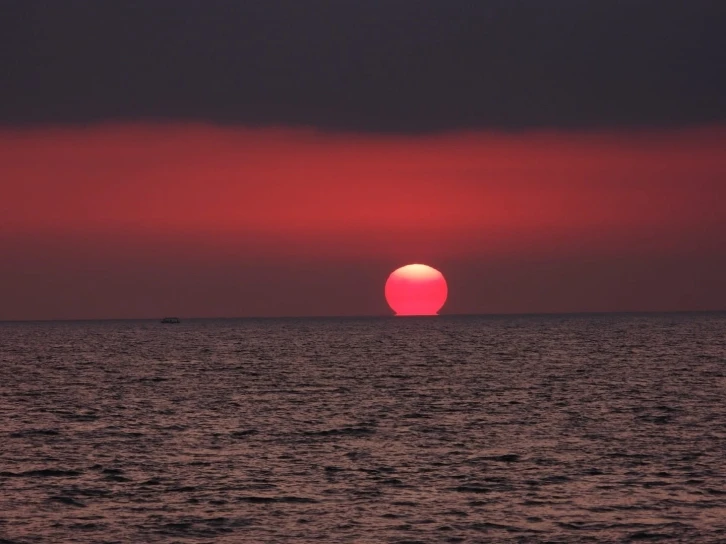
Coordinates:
375 316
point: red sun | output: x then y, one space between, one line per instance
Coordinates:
416 289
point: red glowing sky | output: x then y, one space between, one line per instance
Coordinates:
141 220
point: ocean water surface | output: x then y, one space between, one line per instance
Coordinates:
397 430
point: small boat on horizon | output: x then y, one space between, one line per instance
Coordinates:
171 320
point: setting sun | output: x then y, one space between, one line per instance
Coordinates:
416 289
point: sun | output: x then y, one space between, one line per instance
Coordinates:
416 289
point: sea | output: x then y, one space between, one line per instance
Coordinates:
559 428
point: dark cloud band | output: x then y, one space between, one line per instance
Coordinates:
379 65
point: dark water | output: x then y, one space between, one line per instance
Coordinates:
522 429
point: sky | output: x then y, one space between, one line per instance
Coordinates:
280 158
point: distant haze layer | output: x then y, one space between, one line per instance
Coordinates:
139 220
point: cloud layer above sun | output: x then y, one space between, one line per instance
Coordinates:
315 186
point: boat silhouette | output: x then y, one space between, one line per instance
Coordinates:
171 320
